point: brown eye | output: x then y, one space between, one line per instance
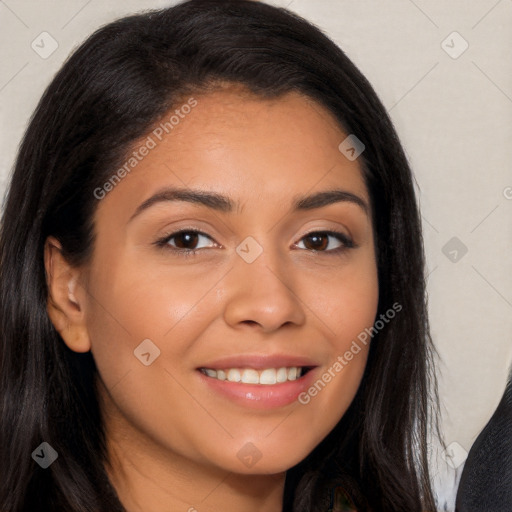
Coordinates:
184 239
319 241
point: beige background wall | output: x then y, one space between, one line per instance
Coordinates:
450 97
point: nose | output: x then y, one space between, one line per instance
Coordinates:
262 295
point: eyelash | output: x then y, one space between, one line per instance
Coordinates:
163 243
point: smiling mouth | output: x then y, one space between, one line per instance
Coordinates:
266 377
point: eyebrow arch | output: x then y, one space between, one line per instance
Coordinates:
221 203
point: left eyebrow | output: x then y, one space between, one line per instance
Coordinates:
222 203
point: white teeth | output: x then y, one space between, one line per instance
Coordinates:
234 375
282 375
268 376
250 377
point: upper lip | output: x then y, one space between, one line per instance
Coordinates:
259 362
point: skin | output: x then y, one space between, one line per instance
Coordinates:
172 442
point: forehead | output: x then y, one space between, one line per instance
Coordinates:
251 148
226 117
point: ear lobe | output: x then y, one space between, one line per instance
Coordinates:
65 304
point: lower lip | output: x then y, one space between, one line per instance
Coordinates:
260 396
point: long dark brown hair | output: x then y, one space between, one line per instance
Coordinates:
107 95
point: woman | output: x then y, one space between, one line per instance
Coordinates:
283 364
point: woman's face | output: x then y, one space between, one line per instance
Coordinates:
268 288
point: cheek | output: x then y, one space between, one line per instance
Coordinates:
131 303
167 308
346 305
345 299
